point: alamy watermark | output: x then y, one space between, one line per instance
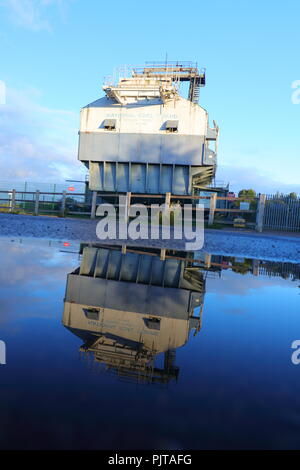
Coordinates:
296 354
154 222
296 93
2 353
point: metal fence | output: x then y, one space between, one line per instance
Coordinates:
281 213
280 269
47 190
271 212
44 203
29 197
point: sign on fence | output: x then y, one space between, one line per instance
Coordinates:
245 206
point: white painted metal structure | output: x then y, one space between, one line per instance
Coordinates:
144 137
131 307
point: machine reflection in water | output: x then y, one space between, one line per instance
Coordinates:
133 307
130 307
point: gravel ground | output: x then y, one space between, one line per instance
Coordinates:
267 246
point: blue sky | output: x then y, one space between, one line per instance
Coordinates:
55 53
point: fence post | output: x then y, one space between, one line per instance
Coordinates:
260 212
94 201
13 200
167 201
207 260
212 208
37 200
255 267
63 204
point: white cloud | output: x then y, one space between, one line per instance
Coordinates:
32 14
40 144
241 177
33 271
231 283
37 143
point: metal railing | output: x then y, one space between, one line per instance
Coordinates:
270 212
44 202
282 213
70 186
176 69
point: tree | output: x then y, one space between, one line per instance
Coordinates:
247 193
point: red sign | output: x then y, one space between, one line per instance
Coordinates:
71 188
67 244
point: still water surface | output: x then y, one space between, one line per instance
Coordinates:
222 376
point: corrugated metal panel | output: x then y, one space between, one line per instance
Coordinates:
143 178
131 297
141 148
134 267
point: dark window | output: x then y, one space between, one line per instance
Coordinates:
109 124
172 126
91 313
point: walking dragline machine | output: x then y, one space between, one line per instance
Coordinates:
144 137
